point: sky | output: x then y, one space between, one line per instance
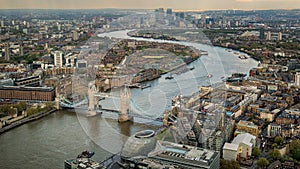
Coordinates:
151 4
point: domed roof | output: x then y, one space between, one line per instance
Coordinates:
140 144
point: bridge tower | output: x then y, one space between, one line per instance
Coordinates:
91 106
125 105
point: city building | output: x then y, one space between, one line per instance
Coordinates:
279 36
7 52
33 81
240 147
297 79
143 151
274 130
145 75
169 11
58 58
27 93
269 115
269 35
230 151
286 118
262 34
246 127
215 141
75 35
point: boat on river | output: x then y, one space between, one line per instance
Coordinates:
169 77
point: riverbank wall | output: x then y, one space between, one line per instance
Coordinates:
26 120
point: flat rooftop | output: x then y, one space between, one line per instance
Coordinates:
184 154
27 88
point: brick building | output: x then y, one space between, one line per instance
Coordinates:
27 93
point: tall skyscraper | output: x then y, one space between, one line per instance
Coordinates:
58 58
262 34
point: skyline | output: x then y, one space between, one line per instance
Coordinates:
200 5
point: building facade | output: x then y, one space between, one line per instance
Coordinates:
27 93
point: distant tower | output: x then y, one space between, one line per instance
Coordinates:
2 23
75 36
21 50
269 36
7 52
125 103
262 34
297 79
279 36
169 11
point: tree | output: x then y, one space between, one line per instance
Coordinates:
229 164
275 154
21 106
256 152
32 111
262 162
274 145
295 149
278 140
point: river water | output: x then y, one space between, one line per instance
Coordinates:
47 142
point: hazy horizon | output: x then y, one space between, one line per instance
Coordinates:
200 5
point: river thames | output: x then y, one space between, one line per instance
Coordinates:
47 142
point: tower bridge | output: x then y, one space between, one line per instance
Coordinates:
129 109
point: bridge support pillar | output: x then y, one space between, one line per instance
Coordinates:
125 102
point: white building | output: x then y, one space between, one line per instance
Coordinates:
241 146
279 36
297 79
230 151
58 58
269 35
